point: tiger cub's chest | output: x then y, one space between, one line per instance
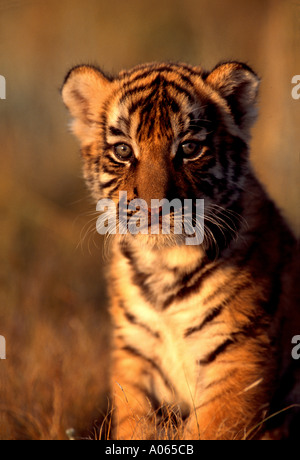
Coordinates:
168 328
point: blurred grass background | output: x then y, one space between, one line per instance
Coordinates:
52 297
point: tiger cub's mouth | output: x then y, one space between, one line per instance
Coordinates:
182 219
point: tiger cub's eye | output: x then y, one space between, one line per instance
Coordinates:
123 151
189 148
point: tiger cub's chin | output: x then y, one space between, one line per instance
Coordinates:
156 241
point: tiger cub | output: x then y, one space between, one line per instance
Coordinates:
198 329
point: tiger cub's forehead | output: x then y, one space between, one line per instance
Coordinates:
161 100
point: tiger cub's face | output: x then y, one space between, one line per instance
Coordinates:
164 131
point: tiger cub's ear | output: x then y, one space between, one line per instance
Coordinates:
238 85
83 92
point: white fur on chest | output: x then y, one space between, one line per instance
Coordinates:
176 354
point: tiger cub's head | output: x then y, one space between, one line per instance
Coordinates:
165 131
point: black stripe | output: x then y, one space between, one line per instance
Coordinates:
217 352
214 313
142 102
109 183
113 190
138 278
182 90
107 168
141 89
116 131
150 361
115 162
124 122
173 68
155 83
170 102
147 128
134 320
129 92
186 287
184 76
150 396
253 327
236 290
149 71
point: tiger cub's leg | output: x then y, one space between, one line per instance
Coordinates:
230 405
133 414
